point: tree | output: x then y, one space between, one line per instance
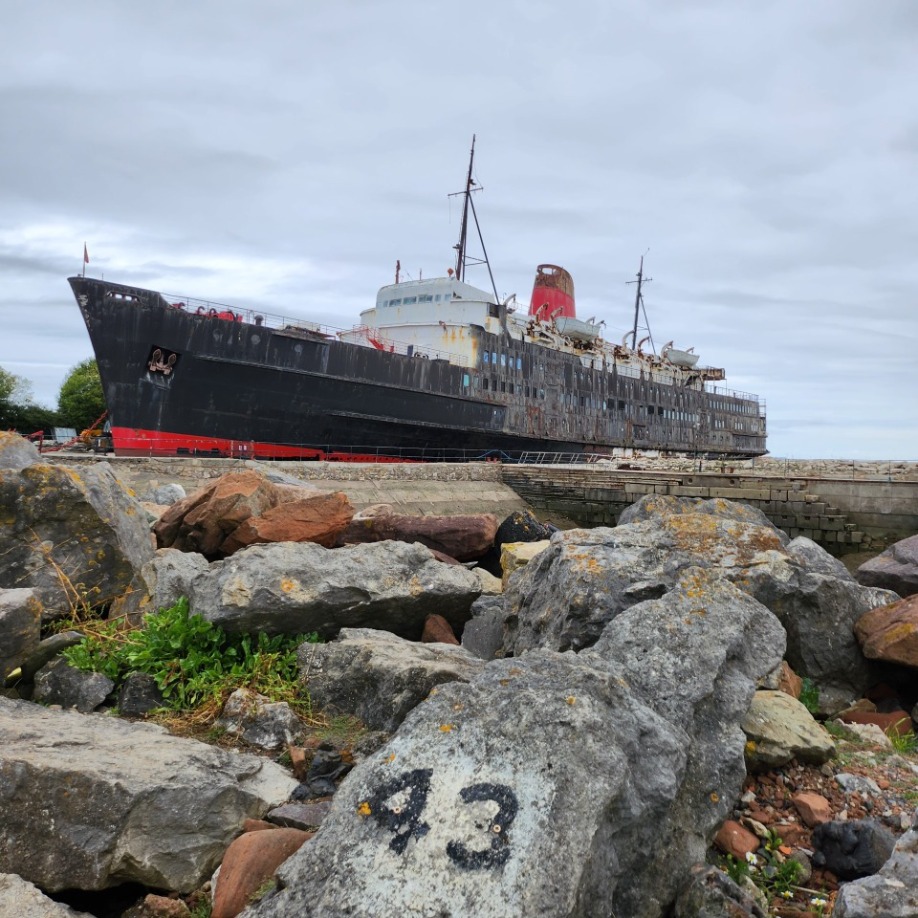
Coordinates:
81 401
17 410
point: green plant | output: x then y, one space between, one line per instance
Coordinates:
193 661
903 743
809 695
738 869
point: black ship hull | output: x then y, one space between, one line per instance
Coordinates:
178 381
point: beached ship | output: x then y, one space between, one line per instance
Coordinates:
437 369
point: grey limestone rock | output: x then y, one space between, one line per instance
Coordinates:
259 721
124 802
21 899
710 893
75 536
567 594
60 683
16 452
20 628
169 576
379 677
139 694
554 784
895 569
780 728
164 495
299 588
891 893
483 634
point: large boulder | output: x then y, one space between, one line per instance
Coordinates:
896 569
20 628
567 594
890 633
169 576
378 677
299 588
463 537
90 802
207 521
779 728
16 452
555 784
892 893
74 535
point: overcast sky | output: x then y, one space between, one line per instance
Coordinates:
282 155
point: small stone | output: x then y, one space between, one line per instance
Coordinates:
813 808
733 839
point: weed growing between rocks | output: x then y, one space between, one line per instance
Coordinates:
194 663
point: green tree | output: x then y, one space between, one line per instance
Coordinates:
17 410
80 401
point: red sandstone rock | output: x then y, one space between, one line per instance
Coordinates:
464 538
249 861
890 633
813 808
898 722
789 682
733 839
154 906
319 518
437 630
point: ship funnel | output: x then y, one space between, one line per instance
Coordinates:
552 294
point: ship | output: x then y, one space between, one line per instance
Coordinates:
437 370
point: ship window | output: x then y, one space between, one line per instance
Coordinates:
395 302
510 389
465 380
428 298
660 410
410 299
541 393
503 360
527 391
621 405
484 383
493 310
582 401
487 357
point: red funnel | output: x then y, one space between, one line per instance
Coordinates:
552 294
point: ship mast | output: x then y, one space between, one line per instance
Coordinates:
638 302
463 260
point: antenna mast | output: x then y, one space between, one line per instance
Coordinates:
462 257
638 301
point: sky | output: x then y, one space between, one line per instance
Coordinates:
282 155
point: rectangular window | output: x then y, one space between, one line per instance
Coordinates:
503 360
484 383
519 363
510 390
465 380
395 302
410 299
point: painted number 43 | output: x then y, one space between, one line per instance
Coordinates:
398 805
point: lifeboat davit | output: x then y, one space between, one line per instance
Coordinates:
552 294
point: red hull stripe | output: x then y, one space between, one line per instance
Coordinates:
132 441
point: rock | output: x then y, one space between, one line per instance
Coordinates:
437 630
814 809
464 538
867 733
249 861
300 815
164 495
60 683
378 677
20 627
139 694
552 783
328 765
19 898
244 508
483 634
17 453
890 633
490 584
891 893
710 893
521 526
514 555
733 839
567 594
74 535
852 848
896 569
161 816
48 649
654 506
857 784
896 722
319 518
154 906
169 576
779 729
299 588
789 682
259 721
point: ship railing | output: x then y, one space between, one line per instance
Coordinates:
284 323
735 393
